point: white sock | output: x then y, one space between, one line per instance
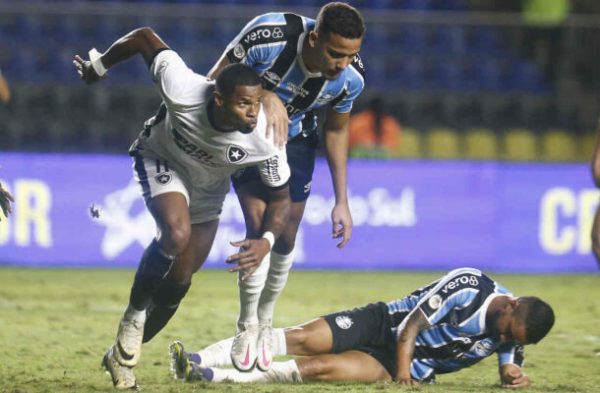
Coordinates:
276 280
250 290
279 372
219 353
132 314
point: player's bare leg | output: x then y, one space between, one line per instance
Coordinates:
174 287
253 200
347 366
171 215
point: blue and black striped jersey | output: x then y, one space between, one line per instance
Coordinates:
455 307
272 45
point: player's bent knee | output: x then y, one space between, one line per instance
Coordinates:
174 239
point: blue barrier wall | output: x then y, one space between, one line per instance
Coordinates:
502 217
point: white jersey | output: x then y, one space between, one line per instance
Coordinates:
182 134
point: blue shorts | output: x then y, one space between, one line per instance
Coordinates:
301 153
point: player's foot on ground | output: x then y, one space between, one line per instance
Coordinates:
128 346
243 349
264 347
122 376
197 373
180 362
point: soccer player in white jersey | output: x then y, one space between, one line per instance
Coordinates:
305 64
203 132
448 325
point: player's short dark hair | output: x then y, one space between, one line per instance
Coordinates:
538 317
340 18
234 75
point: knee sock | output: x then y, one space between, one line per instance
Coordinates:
165 302
279 372
219 354
249 291
276 280
153 267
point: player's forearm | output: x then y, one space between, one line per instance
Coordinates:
336 148
142 41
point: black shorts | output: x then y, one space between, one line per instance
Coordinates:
366 329
301 152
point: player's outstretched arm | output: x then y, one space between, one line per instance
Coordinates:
253 251
512 377
405 347
336 147
5 201
142 41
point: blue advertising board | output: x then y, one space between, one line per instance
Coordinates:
418 215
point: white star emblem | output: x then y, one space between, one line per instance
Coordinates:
235 154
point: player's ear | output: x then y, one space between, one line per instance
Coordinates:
313 36
218 97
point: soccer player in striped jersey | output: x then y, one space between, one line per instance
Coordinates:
305 64
443 327
203 132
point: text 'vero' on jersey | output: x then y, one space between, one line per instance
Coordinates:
455 307
272 45
182 133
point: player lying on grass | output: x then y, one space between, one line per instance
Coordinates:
203 132
449 324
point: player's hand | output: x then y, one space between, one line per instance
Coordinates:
5 200
406 381
277 119
85 70
251 254
341 220
518 380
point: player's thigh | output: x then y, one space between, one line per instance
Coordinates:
165 193
346 366
196 252
312 338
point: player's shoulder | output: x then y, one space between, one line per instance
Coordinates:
275 26
356 70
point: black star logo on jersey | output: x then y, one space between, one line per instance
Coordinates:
236 154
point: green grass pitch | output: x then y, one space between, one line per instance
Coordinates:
56 324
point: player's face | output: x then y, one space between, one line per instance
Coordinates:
333 53
515 332
242 107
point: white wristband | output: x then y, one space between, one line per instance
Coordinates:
95 59
270 238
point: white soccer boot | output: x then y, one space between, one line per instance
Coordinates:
122 376
264 347
128 346
243 349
